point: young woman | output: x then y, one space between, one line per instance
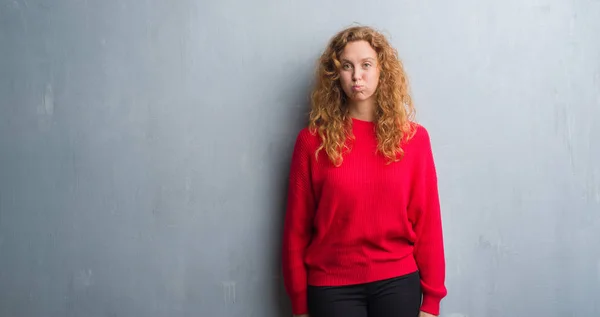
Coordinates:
363 233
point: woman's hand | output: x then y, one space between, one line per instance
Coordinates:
424 314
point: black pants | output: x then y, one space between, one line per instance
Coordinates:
396 297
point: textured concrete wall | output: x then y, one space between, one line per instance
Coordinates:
145 148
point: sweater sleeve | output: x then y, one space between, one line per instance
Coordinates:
424 209
297 225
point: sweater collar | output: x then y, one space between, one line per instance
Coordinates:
362 126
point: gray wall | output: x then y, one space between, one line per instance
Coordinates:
145 148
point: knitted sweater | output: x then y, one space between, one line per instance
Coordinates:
363 221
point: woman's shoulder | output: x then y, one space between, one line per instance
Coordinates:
307 136
420 135
307 139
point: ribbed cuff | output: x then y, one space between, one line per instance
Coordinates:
299 303
431 305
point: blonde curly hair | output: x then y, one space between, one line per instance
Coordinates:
329 114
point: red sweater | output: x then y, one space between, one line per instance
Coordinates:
363 221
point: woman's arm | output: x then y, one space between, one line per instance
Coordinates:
297 224
424 211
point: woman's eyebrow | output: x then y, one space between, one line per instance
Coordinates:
362 60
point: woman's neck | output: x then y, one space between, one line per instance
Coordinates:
364 110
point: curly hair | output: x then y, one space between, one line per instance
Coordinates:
329 113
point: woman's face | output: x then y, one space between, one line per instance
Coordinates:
359 75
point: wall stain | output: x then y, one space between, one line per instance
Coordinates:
229 296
